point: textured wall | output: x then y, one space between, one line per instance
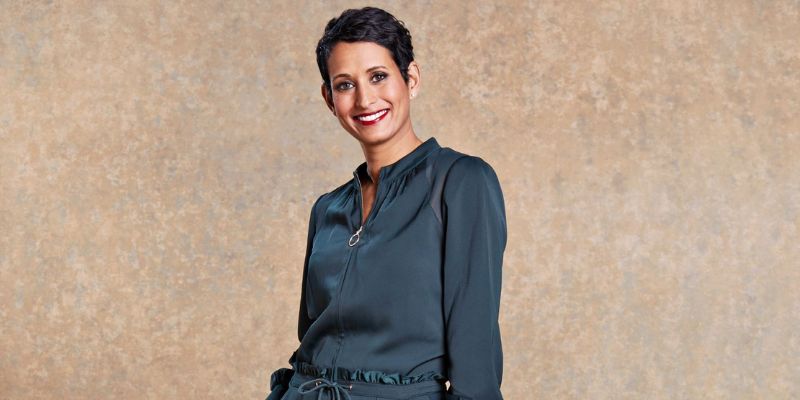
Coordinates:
158 161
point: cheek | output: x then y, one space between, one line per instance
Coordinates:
398 92
343 109
340 104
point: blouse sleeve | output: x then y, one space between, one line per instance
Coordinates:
303 321
279 379
475 239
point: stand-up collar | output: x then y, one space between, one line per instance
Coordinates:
401 166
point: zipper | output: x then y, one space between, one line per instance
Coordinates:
352 243
357 235
339 314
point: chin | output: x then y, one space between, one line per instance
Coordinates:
372 137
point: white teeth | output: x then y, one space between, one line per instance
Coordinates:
372 117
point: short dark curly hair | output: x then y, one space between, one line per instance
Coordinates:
368 24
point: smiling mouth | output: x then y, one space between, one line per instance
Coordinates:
369 119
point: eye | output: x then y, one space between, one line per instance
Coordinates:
380 75
340 86
376 78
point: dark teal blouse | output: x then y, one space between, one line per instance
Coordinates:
414 293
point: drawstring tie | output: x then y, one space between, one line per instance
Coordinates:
322 383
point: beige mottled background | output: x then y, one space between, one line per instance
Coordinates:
158 161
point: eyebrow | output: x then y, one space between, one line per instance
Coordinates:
368 69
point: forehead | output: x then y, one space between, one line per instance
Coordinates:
356 57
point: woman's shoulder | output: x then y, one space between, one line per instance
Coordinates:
460 165
338 192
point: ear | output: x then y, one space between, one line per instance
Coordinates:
414 78
327 97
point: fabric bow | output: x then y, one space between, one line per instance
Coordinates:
338 392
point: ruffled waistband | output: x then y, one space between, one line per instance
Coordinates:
367 376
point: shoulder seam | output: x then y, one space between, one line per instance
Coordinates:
447 175
437 188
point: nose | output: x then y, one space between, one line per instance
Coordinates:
364 96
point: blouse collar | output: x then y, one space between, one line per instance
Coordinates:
401 166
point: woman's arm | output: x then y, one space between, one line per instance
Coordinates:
303 321
475 239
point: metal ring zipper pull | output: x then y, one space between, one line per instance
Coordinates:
356 235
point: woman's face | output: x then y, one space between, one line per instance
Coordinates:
366 82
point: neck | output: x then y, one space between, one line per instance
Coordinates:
380 155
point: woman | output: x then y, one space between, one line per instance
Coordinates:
402 274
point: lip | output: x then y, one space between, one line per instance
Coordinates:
370 113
